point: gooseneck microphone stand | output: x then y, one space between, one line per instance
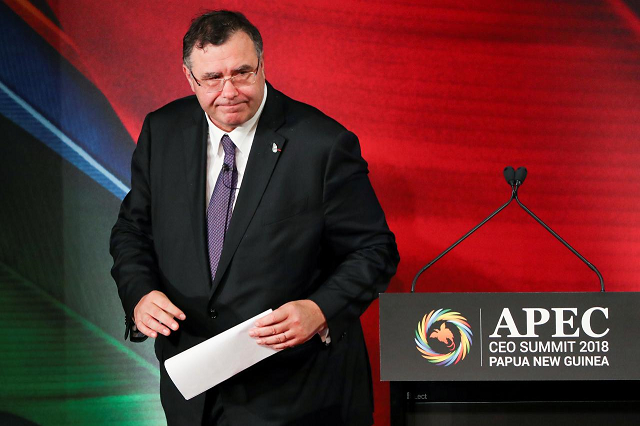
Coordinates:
522 173
515 180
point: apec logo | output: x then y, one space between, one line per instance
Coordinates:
443 337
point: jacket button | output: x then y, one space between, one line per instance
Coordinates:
213 313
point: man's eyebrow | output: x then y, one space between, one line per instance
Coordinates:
244 68
240 69
211 75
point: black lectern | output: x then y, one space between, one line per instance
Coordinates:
511 358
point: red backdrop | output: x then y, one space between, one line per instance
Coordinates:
443 95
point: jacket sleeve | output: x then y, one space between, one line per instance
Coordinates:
357 235
135 268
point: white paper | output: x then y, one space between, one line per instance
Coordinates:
215 360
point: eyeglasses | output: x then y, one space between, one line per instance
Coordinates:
217 84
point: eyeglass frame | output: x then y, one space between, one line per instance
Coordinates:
224 80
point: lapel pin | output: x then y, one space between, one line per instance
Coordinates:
275 149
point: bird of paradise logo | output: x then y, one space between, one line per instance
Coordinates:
428 329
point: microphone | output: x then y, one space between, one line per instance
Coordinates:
225 167
521 175
510 175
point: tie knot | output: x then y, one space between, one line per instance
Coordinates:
227 144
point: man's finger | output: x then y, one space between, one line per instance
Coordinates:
287 344
164 318
154 325
274 317
146 330
278 341
269 330
165 304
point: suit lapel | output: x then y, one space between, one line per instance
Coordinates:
195 135
262 161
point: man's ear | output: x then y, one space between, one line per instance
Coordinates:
187 74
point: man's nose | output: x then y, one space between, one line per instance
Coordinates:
229 89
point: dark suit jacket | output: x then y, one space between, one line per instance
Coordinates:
306 225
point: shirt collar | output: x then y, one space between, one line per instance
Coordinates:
240 133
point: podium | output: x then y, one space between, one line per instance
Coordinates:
511 358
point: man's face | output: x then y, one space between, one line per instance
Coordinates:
232 106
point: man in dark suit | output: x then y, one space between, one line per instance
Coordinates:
242 200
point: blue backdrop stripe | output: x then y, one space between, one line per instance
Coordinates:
25 116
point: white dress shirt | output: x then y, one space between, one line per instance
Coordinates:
242 137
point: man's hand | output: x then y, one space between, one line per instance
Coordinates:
291 324
155 314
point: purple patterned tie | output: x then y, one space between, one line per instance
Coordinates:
221 204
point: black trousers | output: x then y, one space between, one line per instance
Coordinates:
213 410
